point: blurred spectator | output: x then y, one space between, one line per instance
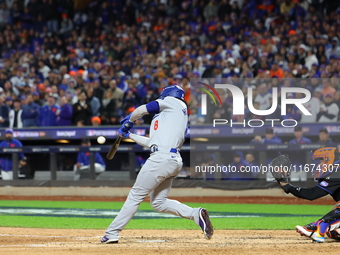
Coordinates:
4 113
327 89
298 157
121 83
98 91
324 136
43 69
36 98
277 113
93 101
237 163
130 99
142 89
96 121
276 71
299 138
257 139
251 160
313 106
109 102
334 50
66 24
82 61
254 166
311 59
51 15
30 112
49 113
65 116
263 97
9 102
6 163
292 111
271 138
82 111
329 111
47 45
4 15
118 93
113 119
80 123
224 9
286 7
318 94
210 10
337 100
82 167
15 115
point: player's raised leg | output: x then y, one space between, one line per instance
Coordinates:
160 202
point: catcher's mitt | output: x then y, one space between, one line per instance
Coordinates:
280 168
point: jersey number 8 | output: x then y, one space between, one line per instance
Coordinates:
155 126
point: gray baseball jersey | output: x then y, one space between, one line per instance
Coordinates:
167 134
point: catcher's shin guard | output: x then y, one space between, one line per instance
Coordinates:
319 235
334 234
333 230
333 219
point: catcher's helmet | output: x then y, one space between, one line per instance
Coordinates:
172 91
325 158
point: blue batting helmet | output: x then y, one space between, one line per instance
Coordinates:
172 91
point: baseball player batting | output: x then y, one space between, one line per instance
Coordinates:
167 134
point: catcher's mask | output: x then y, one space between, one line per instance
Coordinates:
324 158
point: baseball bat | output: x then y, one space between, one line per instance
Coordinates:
114 148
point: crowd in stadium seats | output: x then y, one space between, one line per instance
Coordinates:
67 62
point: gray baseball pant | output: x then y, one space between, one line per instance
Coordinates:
155 178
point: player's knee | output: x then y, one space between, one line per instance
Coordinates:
135 195
157 205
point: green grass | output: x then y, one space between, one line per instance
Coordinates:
219 223
90 223
255 208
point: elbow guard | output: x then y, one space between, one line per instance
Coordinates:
152 107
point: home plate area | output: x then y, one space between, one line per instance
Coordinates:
70 241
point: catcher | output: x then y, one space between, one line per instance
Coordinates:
325 172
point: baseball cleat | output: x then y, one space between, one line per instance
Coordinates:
317 237
307 230
205 224
105 239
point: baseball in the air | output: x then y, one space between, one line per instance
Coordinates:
101 139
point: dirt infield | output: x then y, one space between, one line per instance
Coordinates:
69 241
65 242
224 200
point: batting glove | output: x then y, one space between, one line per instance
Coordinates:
124 134
127 126
127 118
